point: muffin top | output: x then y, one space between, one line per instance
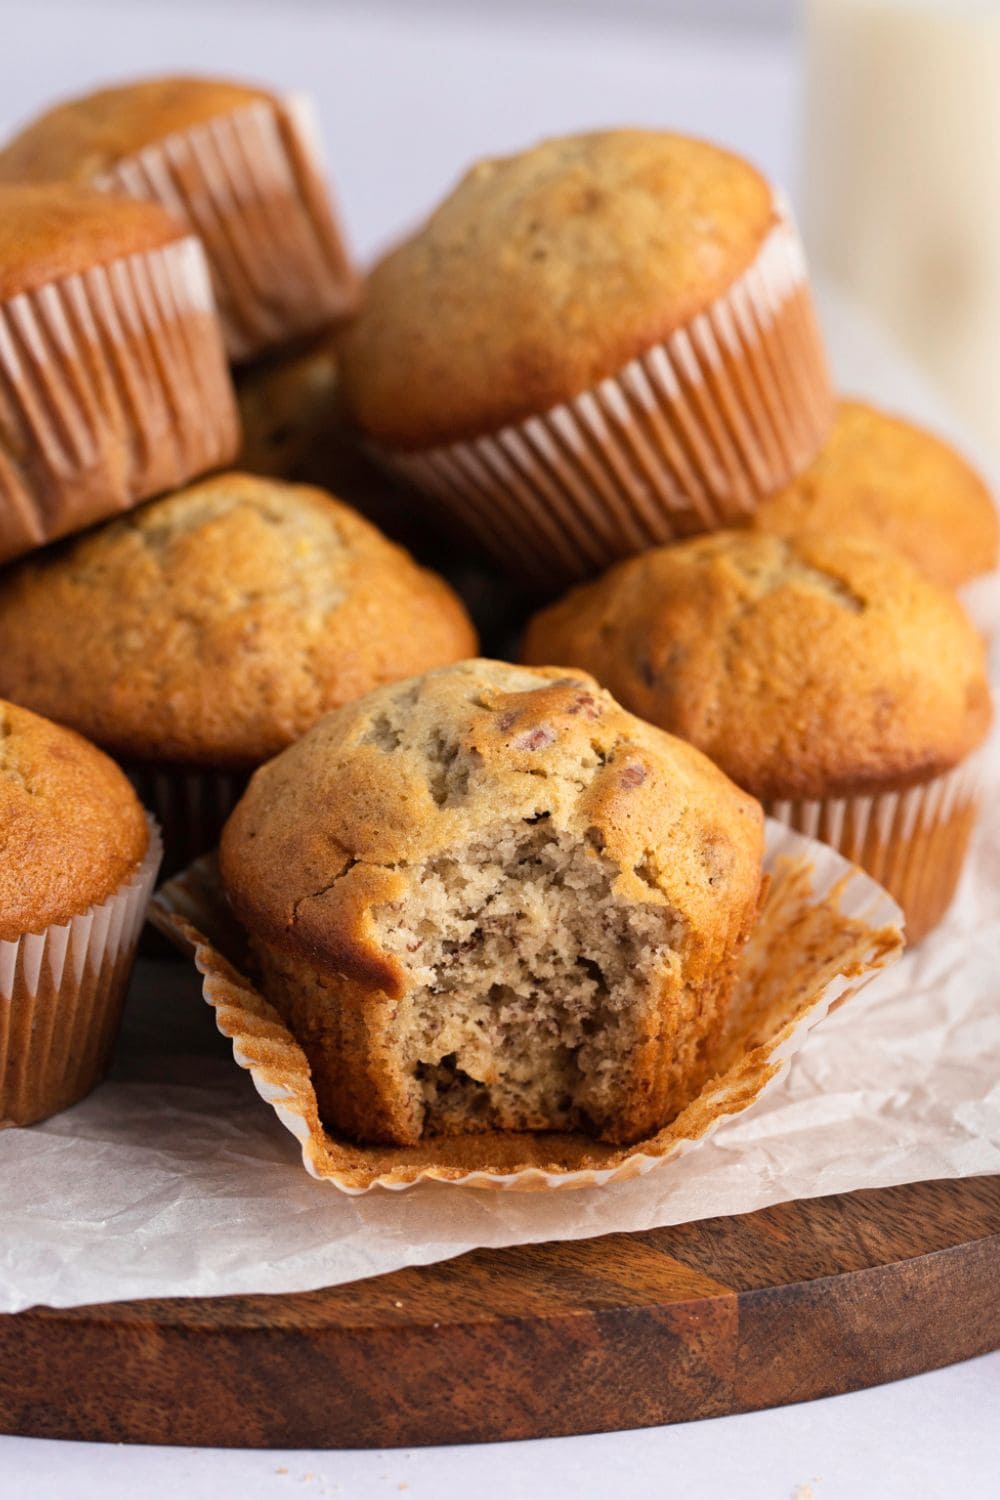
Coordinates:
47 232
543 273
80 139
71 827
889 481
338 823
214 626
809 666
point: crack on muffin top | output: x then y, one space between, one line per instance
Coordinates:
768 569
452 763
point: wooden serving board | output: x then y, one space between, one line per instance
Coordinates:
803 1300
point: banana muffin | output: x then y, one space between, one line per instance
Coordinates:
490 899
77 865
823 674
200 635
592 347
880 477
240 164
113 378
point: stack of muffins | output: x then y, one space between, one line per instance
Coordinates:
484 897
150 236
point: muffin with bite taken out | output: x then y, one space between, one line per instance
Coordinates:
488 898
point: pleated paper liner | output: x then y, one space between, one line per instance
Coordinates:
113 387
688 437
912 841
61 996
190 804
251 184
825 928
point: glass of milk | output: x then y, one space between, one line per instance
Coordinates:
901 183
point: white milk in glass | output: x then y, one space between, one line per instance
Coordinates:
902 179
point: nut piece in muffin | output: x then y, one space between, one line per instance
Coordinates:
240 164
576 354
76 870
887 480
213 627
826 676
113 378
490 899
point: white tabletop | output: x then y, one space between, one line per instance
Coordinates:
407 96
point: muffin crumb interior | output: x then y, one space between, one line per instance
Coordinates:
531 982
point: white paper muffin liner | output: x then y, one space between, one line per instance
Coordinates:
912 841
61 995
189 804
251 184
688 437
824 929
113 387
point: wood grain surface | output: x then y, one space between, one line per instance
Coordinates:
794 1302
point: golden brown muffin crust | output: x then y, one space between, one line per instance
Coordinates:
805 667
328 829
541 274
71 827
49 232
884 479
83 137
216 625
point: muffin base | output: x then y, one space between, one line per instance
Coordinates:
913 842
251 184
824 929
61 996
113 387
190 805
688 437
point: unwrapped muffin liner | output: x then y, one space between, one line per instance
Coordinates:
190 804
113 387
824 929
688 437
250 183
912 841
61 995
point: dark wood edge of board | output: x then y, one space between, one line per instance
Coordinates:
798 1301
